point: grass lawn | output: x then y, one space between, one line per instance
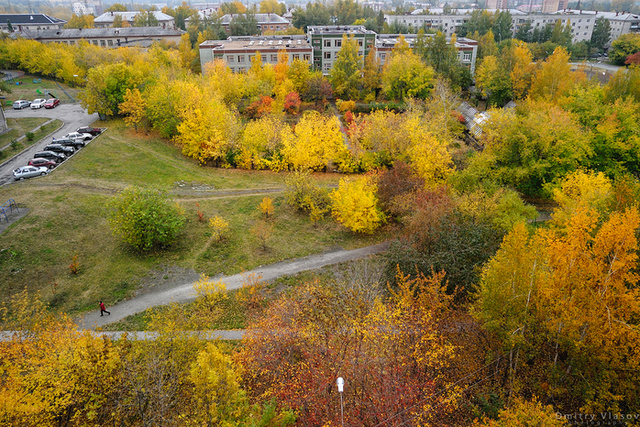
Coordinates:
20 127
28 90
68 217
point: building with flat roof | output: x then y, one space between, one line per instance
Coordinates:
266 22
326 42
108 37
29 22
467 48
106 19
239 51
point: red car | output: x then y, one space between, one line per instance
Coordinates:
40 162
52 103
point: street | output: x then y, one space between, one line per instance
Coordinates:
72 115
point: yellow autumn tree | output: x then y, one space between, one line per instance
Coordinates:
208 128
260 143
555 78
429 156
134 107
355 205
315 142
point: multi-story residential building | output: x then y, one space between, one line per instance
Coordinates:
108 37
447 24
327 42
550 6
106 19
467 48
239 51
266 22
497 4
29 22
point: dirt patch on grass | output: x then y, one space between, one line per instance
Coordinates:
166 277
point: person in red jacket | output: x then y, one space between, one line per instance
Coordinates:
103 309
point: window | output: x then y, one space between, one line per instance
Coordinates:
383 55
327 67
110 42
307 56
94 42
230 59
338 43
241 58
327 55
296 56
263 58
467 57
102 43
274 58
327 43
360 43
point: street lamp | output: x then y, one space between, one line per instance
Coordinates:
340 383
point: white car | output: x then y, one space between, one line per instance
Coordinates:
29 172
78 135
38 103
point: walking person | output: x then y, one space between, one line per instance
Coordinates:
103 309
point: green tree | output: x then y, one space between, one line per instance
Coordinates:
244 24
405 75
146 18
623 46
316 13
345 76
601 34
106 87
145 219
502 23
181 13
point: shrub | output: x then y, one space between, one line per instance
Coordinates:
145 218
266 207
219 228
304 194
15 144
210 295
74 267
30 136
355 205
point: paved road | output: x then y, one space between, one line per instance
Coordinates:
186 293
145 335
73 117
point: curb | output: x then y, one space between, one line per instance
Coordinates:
27 148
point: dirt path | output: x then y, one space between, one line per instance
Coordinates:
185 293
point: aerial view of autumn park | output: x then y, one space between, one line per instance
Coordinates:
320 213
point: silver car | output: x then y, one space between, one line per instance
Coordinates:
20 104
29 172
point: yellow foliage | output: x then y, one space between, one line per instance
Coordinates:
210 294
314 143
266 206
579 190
355 205
219 228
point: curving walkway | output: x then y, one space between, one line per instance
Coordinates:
186 293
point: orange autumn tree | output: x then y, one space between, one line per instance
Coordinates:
391 354
566 297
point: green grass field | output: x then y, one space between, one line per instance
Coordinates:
29 90
67 217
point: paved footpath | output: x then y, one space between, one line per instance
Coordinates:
186 292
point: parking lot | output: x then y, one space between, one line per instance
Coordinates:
72 115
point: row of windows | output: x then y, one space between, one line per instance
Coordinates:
273 58
338 42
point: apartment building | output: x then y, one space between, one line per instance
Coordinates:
266 22
326 42
106 19
239 51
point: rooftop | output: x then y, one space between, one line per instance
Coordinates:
338 29
259 42
262 18
29 19
129 16
75 33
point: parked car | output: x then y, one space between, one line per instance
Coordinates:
78 135
56 157
20 104
52 103
29 172
38 103
90 131
75 143
57 148
40 162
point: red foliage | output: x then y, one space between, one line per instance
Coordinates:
292 103
348 117
259 108
633 59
